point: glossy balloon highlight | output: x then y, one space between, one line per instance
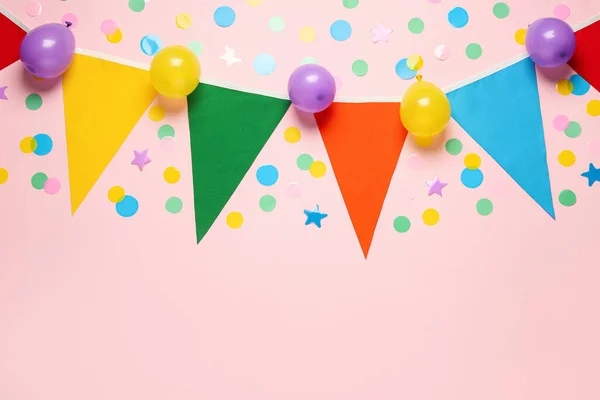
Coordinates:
47 51
550 42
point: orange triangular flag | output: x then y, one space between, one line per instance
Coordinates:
363 141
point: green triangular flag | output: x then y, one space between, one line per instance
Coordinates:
228 129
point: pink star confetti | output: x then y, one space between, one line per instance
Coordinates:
380 33
140 159
3 93
436 186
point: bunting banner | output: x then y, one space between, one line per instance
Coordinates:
103 102
586 60
11 35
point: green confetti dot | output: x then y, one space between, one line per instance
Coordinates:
360 67
401 224
33 101
166 130
267 203
196 47
567 198
308 60
137 5
174 205
573 130
474 51
276 24
416 25
304 161
38 180
350 4
454 146
485 207
501 10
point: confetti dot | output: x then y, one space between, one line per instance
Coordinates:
38 180
137 5
156 113
308 60
401 224
567 198
292 135
267 175
593 108
566 158
472 161
3 176
454 146
254 3
108 27
474 51
28 145
307 34
458 17
196 47
115 37
580 85
264 64
116 194
267 203
560 122
127 207
350 4
484 207
520 36
403 71
174 205
471 178
562 11
317 169
52 186
72 18
416 25
234 220
171 175
33 101
168 144
573 130
294 189
414 161
224 16
442 52
43 144
33 8
414 62
166 130
304 162
501 10
183 20
277 24
150 45
360 67
340 30
564 87
431 217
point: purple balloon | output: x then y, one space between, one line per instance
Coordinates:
550 42
311 88
47 51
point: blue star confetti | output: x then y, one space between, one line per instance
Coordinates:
314 217
592 175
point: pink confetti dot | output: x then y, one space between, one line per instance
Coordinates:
442 52
560 122
33 8
52 186
108 27
168 144
562 11
594 147
72 18
293 189
414 161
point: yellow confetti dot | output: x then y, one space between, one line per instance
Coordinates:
234 220
156 113
415 62
308 34
183 20
520 36
171 175
593 108
3 175
565 87
115 37
566 158
28 145
317 169
292 135
254 3
472 161
431 217
116 194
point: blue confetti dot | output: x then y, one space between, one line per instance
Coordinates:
458 17
580 85
224 16
264 64
340 30
44 144
267 175
151 44
127 207
403 71
471 178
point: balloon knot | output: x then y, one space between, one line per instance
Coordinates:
68 24
419 78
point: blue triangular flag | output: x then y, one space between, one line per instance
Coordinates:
501 112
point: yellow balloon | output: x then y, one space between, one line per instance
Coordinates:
175 71
425 109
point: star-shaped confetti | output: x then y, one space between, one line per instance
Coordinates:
592 175
229 57
3 93
140 159
314 217
380 33
436 186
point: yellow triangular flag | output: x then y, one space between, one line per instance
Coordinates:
103 103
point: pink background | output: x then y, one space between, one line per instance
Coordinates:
101 307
